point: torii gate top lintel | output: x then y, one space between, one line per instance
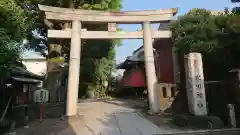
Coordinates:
67 14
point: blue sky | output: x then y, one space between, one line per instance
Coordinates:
184 6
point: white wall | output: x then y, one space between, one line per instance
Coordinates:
118 74
36 66
34 62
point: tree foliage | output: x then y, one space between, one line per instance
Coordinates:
216 36
15 25
97 60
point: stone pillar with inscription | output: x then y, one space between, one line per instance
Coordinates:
195 84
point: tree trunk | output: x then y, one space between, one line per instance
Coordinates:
52 79
183 92
180 104
57 49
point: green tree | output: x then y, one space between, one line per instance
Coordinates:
215 36
93 51
200 31
14 27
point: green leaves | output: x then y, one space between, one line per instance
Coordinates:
193 31
98 56
97 60
14 27
98 6
86 6
14 19
217 37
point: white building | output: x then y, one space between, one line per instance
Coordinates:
35 63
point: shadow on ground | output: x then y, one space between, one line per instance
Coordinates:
105 117
137 103
121 117
48 127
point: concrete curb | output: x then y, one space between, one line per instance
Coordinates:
207 131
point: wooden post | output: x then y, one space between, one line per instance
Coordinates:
150 67
26 100
74 69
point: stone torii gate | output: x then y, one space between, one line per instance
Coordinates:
77 16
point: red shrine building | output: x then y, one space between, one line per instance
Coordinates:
165 64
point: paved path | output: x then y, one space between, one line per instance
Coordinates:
114 118
97 118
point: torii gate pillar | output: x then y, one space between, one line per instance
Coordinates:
74 69
150 67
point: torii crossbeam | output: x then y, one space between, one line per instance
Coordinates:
126 17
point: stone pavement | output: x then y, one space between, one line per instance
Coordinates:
114 117
97 118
